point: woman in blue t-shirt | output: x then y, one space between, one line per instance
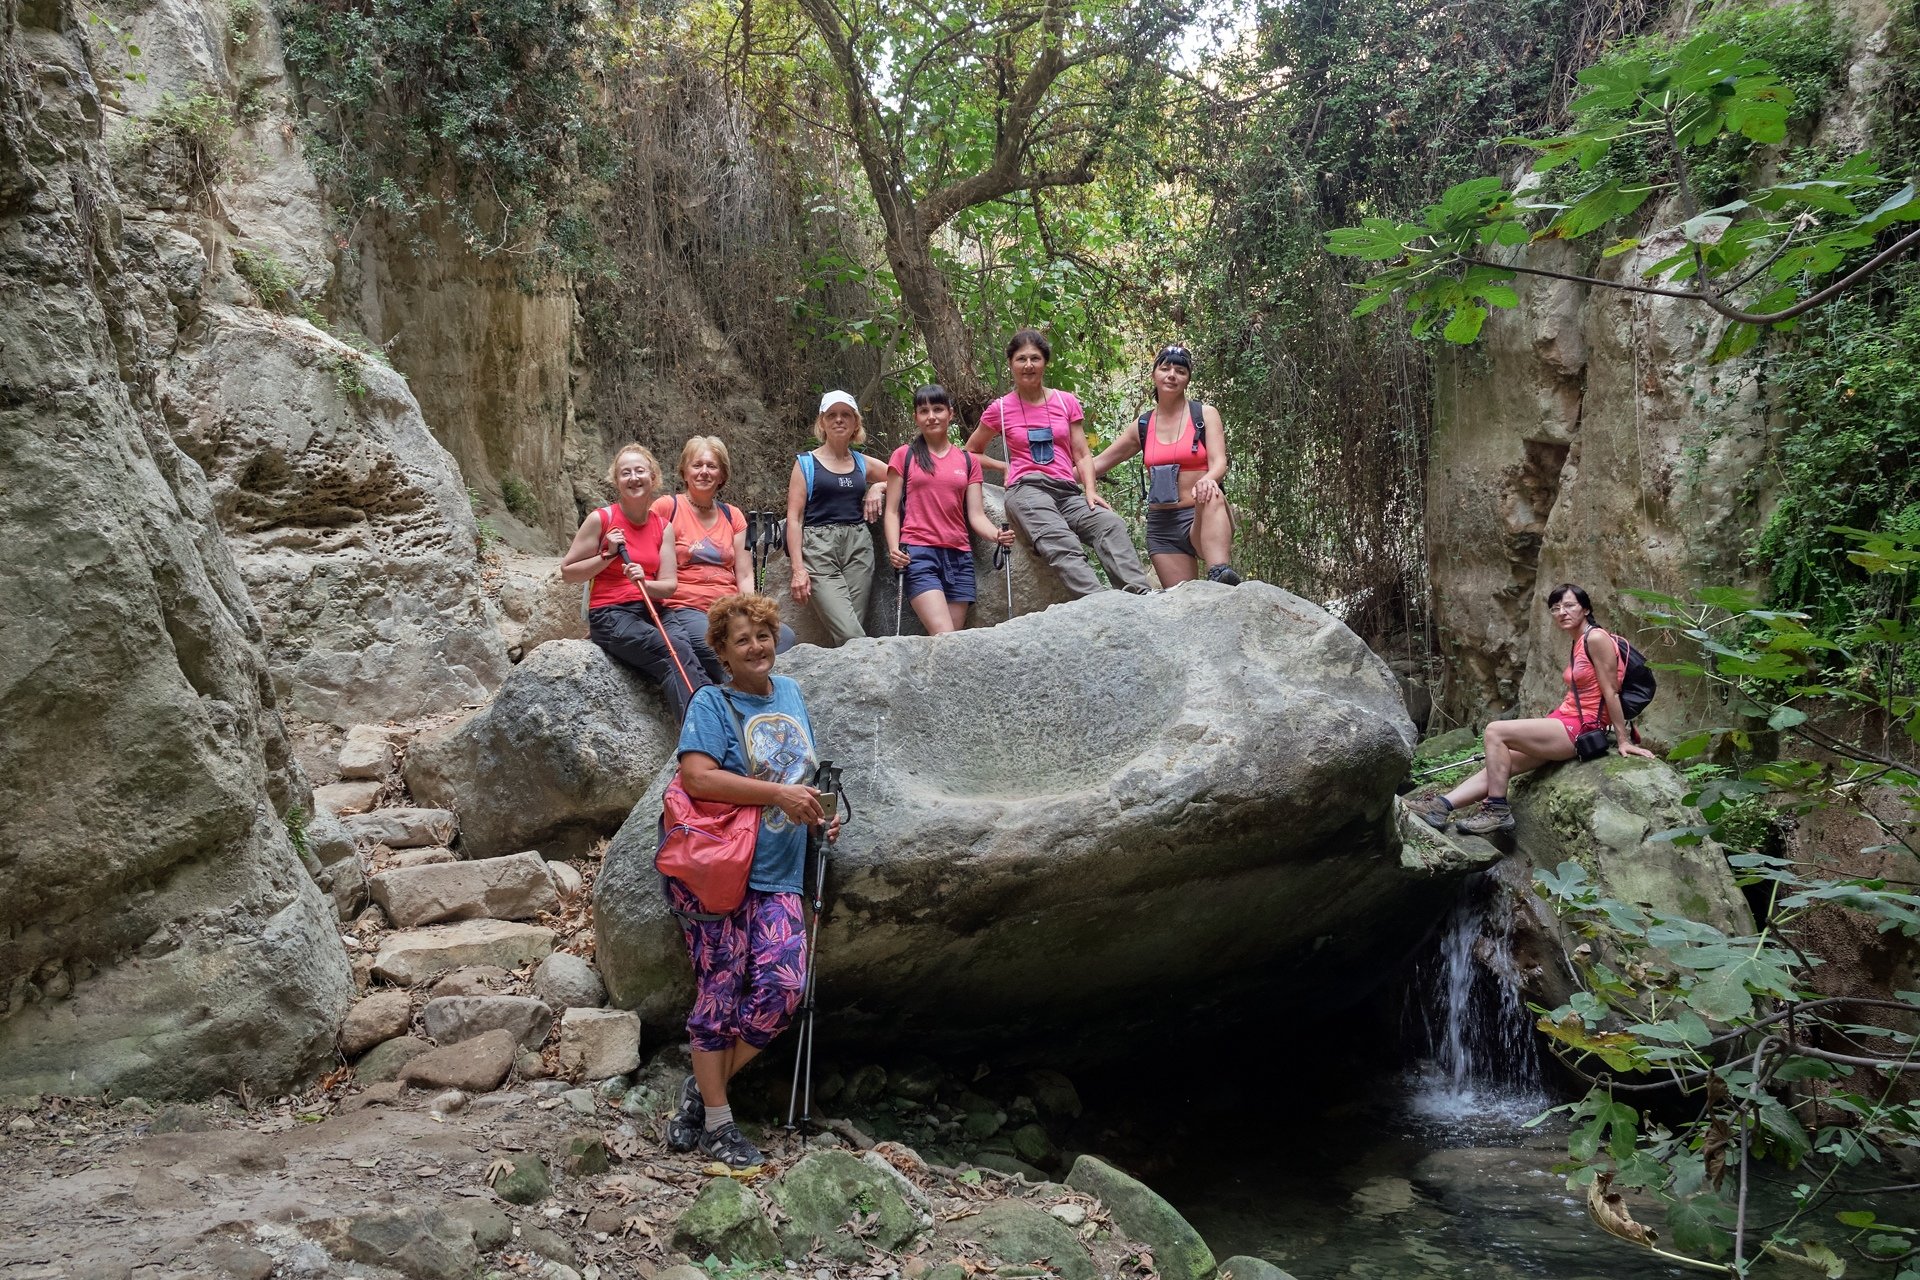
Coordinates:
833 493
748 744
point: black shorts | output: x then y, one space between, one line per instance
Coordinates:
1170 532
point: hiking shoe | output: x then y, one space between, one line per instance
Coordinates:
1431 810
684 1126
1489 819
1224 574
1134 590
730 1147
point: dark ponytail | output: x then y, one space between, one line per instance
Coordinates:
932 393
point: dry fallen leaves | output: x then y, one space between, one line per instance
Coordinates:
499 1169
1609 1210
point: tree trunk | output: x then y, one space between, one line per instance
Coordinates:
933 308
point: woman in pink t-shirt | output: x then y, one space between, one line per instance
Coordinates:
928 540
1052 494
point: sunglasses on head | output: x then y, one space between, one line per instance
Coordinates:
1173 355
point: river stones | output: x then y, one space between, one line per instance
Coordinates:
1178 1251
1069 826
725 1221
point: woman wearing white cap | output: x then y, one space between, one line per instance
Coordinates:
832 495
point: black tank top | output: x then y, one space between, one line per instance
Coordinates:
837 499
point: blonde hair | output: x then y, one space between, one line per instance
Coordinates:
757 609
711 444
646 455
859 430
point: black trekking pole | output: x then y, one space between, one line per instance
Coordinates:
757 536
826 780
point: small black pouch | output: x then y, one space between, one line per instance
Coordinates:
1040 445
1163 485
1591 745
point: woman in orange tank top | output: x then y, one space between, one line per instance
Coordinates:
1515 746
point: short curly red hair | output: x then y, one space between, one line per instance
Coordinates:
757 609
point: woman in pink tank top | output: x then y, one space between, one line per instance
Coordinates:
1516 746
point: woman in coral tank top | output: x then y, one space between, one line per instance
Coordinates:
1515 746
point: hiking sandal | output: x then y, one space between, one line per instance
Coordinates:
730 1147
684 1126
1223 573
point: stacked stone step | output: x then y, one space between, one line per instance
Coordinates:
463 986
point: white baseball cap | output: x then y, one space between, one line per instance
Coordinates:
833 398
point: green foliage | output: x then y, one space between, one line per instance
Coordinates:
1772 1069
482 112
242 16
1383 104
1654 120
347 377
296 825
197 130
519 498
271 280
121 51
1849 389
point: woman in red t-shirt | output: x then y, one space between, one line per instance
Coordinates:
1516 746
1052 495
618 617
928 541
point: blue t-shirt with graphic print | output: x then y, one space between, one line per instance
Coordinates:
781 741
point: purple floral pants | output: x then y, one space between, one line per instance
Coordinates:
749 970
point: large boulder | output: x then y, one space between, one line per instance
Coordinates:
158 933
1088 818
351 524
1604 815
555 762
1035 587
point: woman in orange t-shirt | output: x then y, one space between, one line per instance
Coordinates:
710 550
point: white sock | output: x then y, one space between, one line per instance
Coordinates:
717 1116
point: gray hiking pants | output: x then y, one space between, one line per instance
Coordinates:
839 560
1057 519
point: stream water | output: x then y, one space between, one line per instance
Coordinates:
1330 1155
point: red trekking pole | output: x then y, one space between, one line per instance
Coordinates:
626 559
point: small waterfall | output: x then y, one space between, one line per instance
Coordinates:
1479 1055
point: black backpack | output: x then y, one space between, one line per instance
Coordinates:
1637 685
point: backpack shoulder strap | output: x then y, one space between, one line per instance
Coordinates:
807 464
1198 411
739 727
1144 422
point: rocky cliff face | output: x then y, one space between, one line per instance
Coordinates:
350 523
159 933
1587 439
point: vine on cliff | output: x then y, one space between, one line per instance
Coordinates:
1345 108
481 112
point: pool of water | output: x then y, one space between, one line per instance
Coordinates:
1402 1177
